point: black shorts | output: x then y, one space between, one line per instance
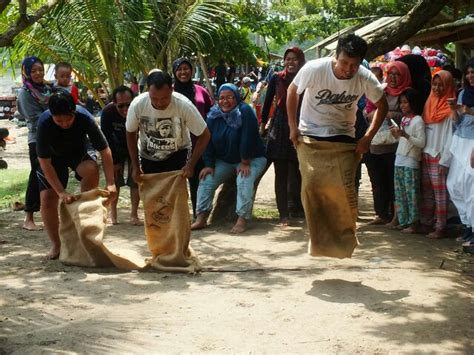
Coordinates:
120 179
61 165
175 161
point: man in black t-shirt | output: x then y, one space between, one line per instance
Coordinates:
112 123
62 143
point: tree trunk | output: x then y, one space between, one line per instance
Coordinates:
388 37
204 73
23 21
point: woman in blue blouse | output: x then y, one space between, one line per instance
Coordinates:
235 146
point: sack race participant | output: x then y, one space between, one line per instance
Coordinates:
164 120
167 222
62 143
328 153
82 232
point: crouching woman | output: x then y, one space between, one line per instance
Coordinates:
235 146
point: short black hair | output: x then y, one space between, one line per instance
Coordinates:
120 89
62 65
159 79
61 103
353 45
414 99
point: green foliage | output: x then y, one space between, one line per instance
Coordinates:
12 186
320 18
104 39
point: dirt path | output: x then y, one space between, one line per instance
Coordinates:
260 292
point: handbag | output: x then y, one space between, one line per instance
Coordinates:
384 136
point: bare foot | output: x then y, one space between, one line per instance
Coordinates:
135 221
437 234
409 230
284 222
53 253
31 226
112 222
200 223
240 226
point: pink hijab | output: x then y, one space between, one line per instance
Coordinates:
405 78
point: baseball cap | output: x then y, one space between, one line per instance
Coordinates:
246 80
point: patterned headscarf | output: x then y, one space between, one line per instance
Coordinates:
187 89
41 92
233 118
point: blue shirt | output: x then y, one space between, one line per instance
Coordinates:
464 127
233 145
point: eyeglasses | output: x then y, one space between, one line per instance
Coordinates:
226 98
126 104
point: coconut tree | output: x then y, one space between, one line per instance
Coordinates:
104 39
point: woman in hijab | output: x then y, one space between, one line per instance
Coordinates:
32 101
280 150
380 161
460 179
183 84
439 131
235 146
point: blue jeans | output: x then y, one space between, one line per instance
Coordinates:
245 186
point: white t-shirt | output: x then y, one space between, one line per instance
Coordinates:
329 105
164 132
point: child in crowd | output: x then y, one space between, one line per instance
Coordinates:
370 108
63 74
407 161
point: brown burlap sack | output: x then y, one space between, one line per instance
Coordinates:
167 221
328 196
81 230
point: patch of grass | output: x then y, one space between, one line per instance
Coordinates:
265 213
13 186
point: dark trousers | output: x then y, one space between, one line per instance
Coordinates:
288 184
32 197
381 173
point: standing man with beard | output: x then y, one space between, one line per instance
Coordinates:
325 142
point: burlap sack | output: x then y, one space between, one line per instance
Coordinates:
167 221
81 230
328 196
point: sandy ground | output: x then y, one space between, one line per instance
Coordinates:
259 293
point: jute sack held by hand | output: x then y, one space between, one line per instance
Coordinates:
328 196
167 221
81 230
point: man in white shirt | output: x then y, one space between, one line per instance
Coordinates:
147 116
325 141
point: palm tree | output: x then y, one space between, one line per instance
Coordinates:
104 39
